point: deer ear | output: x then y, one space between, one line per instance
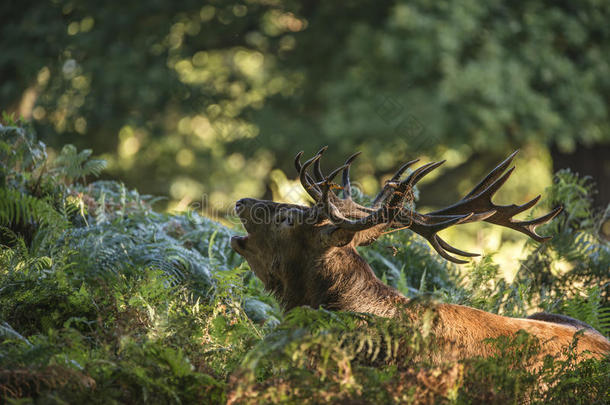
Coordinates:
335 236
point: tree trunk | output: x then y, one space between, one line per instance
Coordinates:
591 161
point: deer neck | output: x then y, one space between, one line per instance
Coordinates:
352 285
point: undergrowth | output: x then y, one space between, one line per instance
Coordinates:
106 301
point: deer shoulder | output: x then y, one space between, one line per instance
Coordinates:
307 255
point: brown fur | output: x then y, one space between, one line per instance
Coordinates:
311 263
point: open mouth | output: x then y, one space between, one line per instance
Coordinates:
238 243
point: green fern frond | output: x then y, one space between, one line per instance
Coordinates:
77 165
588 308
6 331
19 208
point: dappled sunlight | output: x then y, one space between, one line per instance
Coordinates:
288 190
137 139
194 95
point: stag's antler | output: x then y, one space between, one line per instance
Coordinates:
389 209
477 206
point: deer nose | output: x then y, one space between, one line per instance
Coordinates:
241 204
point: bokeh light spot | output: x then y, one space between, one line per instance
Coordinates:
185 157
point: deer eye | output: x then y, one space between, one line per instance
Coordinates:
284 220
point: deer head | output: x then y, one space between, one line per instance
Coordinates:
306 255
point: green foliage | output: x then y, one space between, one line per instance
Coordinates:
76 165
19 208
171 90
103 300
316 356
590 309
578 257
403 259
504 377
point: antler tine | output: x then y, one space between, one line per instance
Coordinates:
477 205
347 187
354 225
481 201
429 231
527 227
334 173
297 161
428 227
417 175
311 187
317 171
492 176
388 208
310 182
388 188
436 242
402 169
382 215
451 249
442 247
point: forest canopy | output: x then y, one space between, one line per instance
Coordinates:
192 98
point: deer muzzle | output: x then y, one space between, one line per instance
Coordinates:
239 243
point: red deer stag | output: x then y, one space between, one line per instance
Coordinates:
307 256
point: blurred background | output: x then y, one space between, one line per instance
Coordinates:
206 102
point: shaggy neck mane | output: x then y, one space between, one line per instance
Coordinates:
352 285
